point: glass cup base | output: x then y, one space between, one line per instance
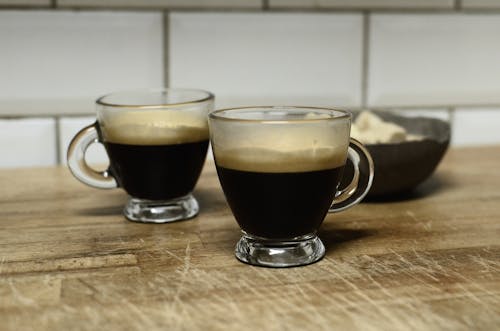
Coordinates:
161 211
279 254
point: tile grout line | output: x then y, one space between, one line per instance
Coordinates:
456 6
166 48
451 117
57 136
365 58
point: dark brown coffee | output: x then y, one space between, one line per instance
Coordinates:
157 172
277 205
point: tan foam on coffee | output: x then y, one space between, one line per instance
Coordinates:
296 160
277 147
155 128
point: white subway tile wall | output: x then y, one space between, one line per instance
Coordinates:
233 4
58 55
61 54
481 4
22 3
256 58
69 127
433 59
476 127
58 62
371 4
39 107
27 142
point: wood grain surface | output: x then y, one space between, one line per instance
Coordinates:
70 261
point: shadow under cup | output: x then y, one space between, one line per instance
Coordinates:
280 168
156 141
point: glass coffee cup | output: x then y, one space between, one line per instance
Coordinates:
280 169
156 141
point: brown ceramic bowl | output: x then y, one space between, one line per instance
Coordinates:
400 167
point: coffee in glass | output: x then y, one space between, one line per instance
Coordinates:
280 168
156 141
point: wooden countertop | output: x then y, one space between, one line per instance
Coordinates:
69 260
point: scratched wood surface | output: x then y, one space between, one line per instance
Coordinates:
69 260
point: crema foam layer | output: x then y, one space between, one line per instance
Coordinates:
154 127
273 161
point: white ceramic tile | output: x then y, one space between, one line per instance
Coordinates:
162 3
255 58
60 54
480 4
27 142
96 155
46 107
434 59
476 127
368 4
23 3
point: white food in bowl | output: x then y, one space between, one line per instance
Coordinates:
370 129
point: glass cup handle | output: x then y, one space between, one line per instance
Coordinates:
363 170
79 167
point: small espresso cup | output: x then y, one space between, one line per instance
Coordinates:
156 141
280 169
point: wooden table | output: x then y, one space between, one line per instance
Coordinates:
69 260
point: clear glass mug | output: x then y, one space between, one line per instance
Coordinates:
280 169
156 141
